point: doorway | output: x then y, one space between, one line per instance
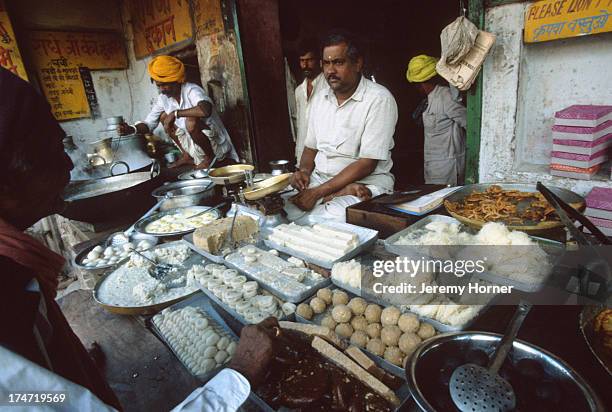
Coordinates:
391 32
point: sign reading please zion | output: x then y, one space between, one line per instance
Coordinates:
559 19
159 24
60 57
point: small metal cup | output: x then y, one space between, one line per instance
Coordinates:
279 167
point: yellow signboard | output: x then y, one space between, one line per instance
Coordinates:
10 58
159 24
59 57
208 17
559 19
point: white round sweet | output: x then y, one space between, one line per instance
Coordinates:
93 255
109 251
221 356
273 252
231 348
210 352
212 339
208 365
223 343
127 246
98 249
250 259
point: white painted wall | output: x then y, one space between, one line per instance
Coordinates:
524 84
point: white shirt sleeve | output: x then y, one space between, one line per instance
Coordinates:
195 95
21 375
311 138
377 136
223 393
152 119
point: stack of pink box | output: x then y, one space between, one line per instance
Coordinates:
582 136
599 209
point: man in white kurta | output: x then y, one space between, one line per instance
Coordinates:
313 83
188 115
347 154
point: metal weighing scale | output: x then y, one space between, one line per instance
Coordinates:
260 199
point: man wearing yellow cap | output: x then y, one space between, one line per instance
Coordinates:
444 123
188 117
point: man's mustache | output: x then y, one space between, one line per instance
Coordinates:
332 77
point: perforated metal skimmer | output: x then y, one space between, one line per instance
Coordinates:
477 389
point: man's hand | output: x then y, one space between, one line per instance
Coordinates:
125 128
300 180
255 350
306 199
168 121
185 159
204 164
354 189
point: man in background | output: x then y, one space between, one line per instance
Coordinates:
188 116
444 123
310 64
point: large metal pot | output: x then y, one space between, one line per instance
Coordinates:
184 193
111 198
423 370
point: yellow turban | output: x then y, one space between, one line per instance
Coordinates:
167 69
421 68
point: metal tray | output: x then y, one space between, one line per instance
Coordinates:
231 311
316 320
552 248
142 223
311 286
199 301
367 238
148 309
573 199
414 251
188 239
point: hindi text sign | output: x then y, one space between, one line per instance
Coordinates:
159 24
58 57
10 58
208 17
559 19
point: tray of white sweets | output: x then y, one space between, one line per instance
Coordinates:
322 243
287 279
385 333
131 289
242 299
197 335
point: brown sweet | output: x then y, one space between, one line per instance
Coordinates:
390 316
408 322
341 314
326 295
317 305
372 313
344 330
408 343
359 323
357 305
390 335
374 329
304 311
376 347
426 331
359 338
339 297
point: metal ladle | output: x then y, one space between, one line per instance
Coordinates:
474 388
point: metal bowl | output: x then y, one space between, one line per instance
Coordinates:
424 367
184 193
230 174
78 259
194 174
141 225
